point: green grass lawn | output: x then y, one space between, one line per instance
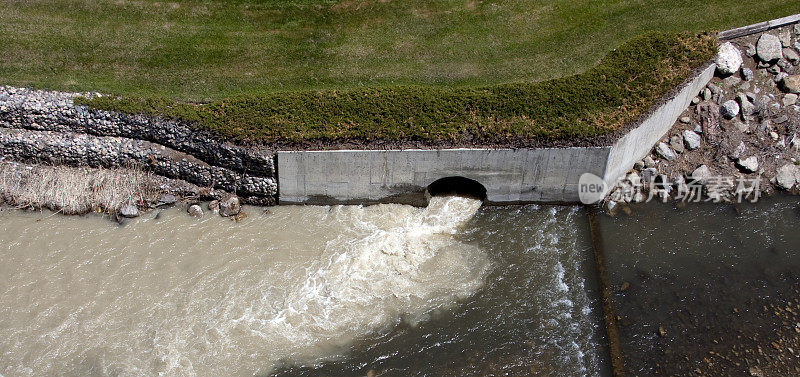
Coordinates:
600 100
209 50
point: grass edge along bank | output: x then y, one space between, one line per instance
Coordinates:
622 86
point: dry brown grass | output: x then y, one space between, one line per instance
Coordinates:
70 190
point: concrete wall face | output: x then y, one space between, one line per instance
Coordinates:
521 175
637 143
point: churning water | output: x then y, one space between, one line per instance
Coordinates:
339 290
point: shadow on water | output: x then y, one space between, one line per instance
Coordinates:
708 288
538 313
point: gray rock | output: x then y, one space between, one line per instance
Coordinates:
794 143
731 81
747 108
638 165
728 59
785 36
213 206
786 176
797 29
610 206
649 162
739 151
750 50
747 74
696 100
195 211
785 66
707 95
779 77
791 56
698 129
748 165
676 142
791 84
665 152
165 199
742 127
774 69
230 207
702 174
691 140
789 99
685 120
769 48
729 109
129 211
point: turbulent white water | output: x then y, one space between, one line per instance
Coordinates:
179 297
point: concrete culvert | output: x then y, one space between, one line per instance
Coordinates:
456 186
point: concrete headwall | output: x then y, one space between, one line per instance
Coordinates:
522 175
509 176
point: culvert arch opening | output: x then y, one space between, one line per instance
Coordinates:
460 186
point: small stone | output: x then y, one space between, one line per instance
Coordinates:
769 48
649 162
791 84
791 56
691 140
676 142
707 94
773 135
698 129
129 211
729 109
611 206
195 210
747 74
625 286
702 174
781 119
741 127
779 77
663 150
786 176
747 108
785 36
794 143
789 99
230 207
774 69
748 165
785 66
686 120
731 81
797 29
638 165
165 199
213 206
739 151
696 100
750 50
661 332
728 59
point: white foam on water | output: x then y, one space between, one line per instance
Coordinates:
386 264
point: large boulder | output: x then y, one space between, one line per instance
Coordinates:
791 84
230 206
769 48
729 59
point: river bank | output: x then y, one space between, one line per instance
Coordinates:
739 139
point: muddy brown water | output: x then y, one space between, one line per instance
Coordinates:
305 290
454 289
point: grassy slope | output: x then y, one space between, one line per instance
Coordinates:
207 50
616 91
